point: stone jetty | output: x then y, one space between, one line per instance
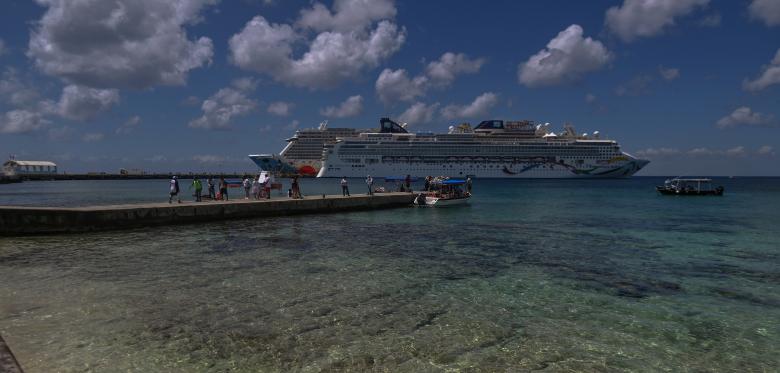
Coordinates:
16 220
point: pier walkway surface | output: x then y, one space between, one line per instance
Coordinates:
17 220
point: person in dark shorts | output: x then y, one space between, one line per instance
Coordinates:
210 184
344 187
296 188
223 188
370 183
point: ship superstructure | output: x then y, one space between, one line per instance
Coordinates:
303 152
493 149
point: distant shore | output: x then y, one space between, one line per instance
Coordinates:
108 176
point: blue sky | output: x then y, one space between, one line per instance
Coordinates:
189 85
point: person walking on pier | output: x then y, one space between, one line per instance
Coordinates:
198 188
210 184
370 183
468 184
246 185
344 187
262 180
296 188
408 183
256 188
269 183
174 190
223 193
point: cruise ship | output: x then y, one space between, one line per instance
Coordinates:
303 153
492 149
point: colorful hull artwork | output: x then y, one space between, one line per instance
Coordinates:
279 165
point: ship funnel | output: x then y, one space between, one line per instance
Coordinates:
388 126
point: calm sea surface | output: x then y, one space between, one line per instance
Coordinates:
590 275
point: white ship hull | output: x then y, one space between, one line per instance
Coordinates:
481 170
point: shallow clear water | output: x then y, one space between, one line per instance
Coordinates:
591 275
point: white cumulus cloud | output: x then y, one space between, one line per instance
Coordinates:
479 107
701 151
84 103
347 15
711 20
21 121
767 11
744 116
443 71
209 158
637 86
566 59
769 76
353 106
766 150
119 43
347 43
223 106
17 92
645 18
129 125
658 152
92 137
280 108
396 85
292 125
419 113
669 73
736 151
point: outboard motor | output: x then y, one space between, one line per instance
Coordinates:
420 200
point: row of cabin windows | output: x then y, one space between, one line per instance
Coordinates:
468 150
445 163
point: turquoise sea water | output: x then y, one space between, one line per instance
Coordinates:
560 275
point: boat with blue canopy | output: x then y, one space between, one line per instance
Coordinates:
443 191
689 187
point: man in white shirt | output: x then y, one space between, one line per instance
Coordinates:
344 187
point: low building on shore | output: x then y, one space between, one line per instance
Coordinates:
21 168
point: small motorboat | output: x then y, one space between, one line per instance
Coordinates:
689 187
443 192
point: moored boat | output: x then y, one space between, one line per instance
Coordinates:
443 192
689 187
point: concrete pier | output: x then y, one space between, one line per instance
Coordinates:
16 220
